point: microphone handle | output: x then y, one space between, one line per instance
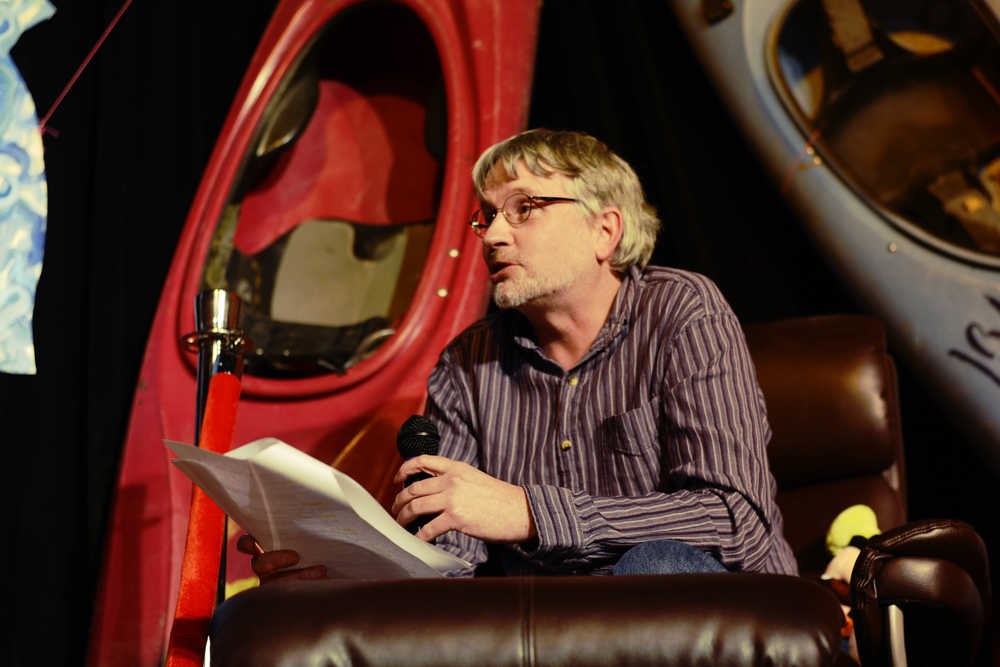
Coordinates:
418 523
417 477
415 525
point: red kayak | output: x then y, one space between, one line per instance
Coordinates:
335 205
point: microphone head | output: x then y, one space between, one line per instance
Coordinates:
418 435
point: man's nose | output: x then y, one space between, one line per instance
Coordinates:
499 232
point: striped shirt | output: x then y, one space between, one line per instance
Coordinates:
658 432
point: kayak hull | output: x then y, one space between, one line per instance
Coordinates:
940 302
339 416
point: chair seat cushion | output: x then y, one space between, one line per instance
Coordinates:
716 619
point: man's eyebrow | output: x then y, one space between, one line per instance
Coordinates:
483 201
524 189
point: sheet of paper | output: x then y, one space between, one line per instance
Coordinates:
287 499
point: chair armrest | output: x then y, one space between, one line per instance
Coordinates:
937 573
732 619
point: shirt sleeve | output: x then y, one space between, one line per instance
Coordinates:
714 482
445 409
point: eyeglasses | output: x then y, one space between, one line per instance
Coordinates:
516 209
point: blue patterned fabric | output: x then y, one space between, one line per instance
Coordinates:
23 197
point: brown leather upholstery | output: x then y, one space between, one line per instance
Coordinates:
937 572
708 619
833 405
832 402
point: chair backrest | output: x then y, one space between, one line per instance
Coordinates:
832 401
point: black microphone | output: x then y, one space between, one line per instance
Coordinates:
418 435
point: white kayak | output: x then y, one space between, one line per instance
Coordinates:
880 122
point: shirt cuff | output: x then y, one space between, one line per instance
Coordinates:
557 523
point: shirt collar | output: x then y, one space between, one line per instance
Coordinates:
622 310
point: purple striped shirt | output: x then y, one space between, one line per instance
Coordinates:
659 432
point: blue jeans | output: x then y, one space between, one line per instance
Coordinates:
665 557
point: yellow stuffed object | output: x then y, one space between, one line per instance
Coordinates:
848 533
856 521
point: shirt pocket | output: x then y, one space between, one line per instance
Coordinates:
629 446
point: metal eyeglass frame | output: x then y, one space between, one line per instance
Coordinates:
480 221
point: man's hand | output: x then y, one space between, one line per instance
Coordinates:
465 499
271 565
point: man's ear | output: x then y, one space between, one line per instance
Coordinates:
609 232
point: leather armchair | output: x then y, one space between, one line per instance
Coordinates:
933 574
832 401
835 371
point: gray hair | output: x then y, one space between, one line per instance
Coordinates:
598 178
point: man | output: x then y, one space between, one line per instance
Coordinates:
607 417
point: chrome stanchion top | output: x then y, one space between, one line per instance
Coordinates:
218 340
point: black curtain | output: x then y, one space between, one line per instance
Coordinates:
128 146
126 154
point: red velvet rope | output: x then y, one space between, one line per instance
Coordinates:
79 70
205 538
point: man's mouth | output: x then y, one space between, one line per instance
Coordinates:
497 270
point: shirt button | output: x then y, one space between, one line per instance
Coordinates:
573 381
566 444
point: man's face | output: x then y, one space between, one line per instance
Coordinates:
541 261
